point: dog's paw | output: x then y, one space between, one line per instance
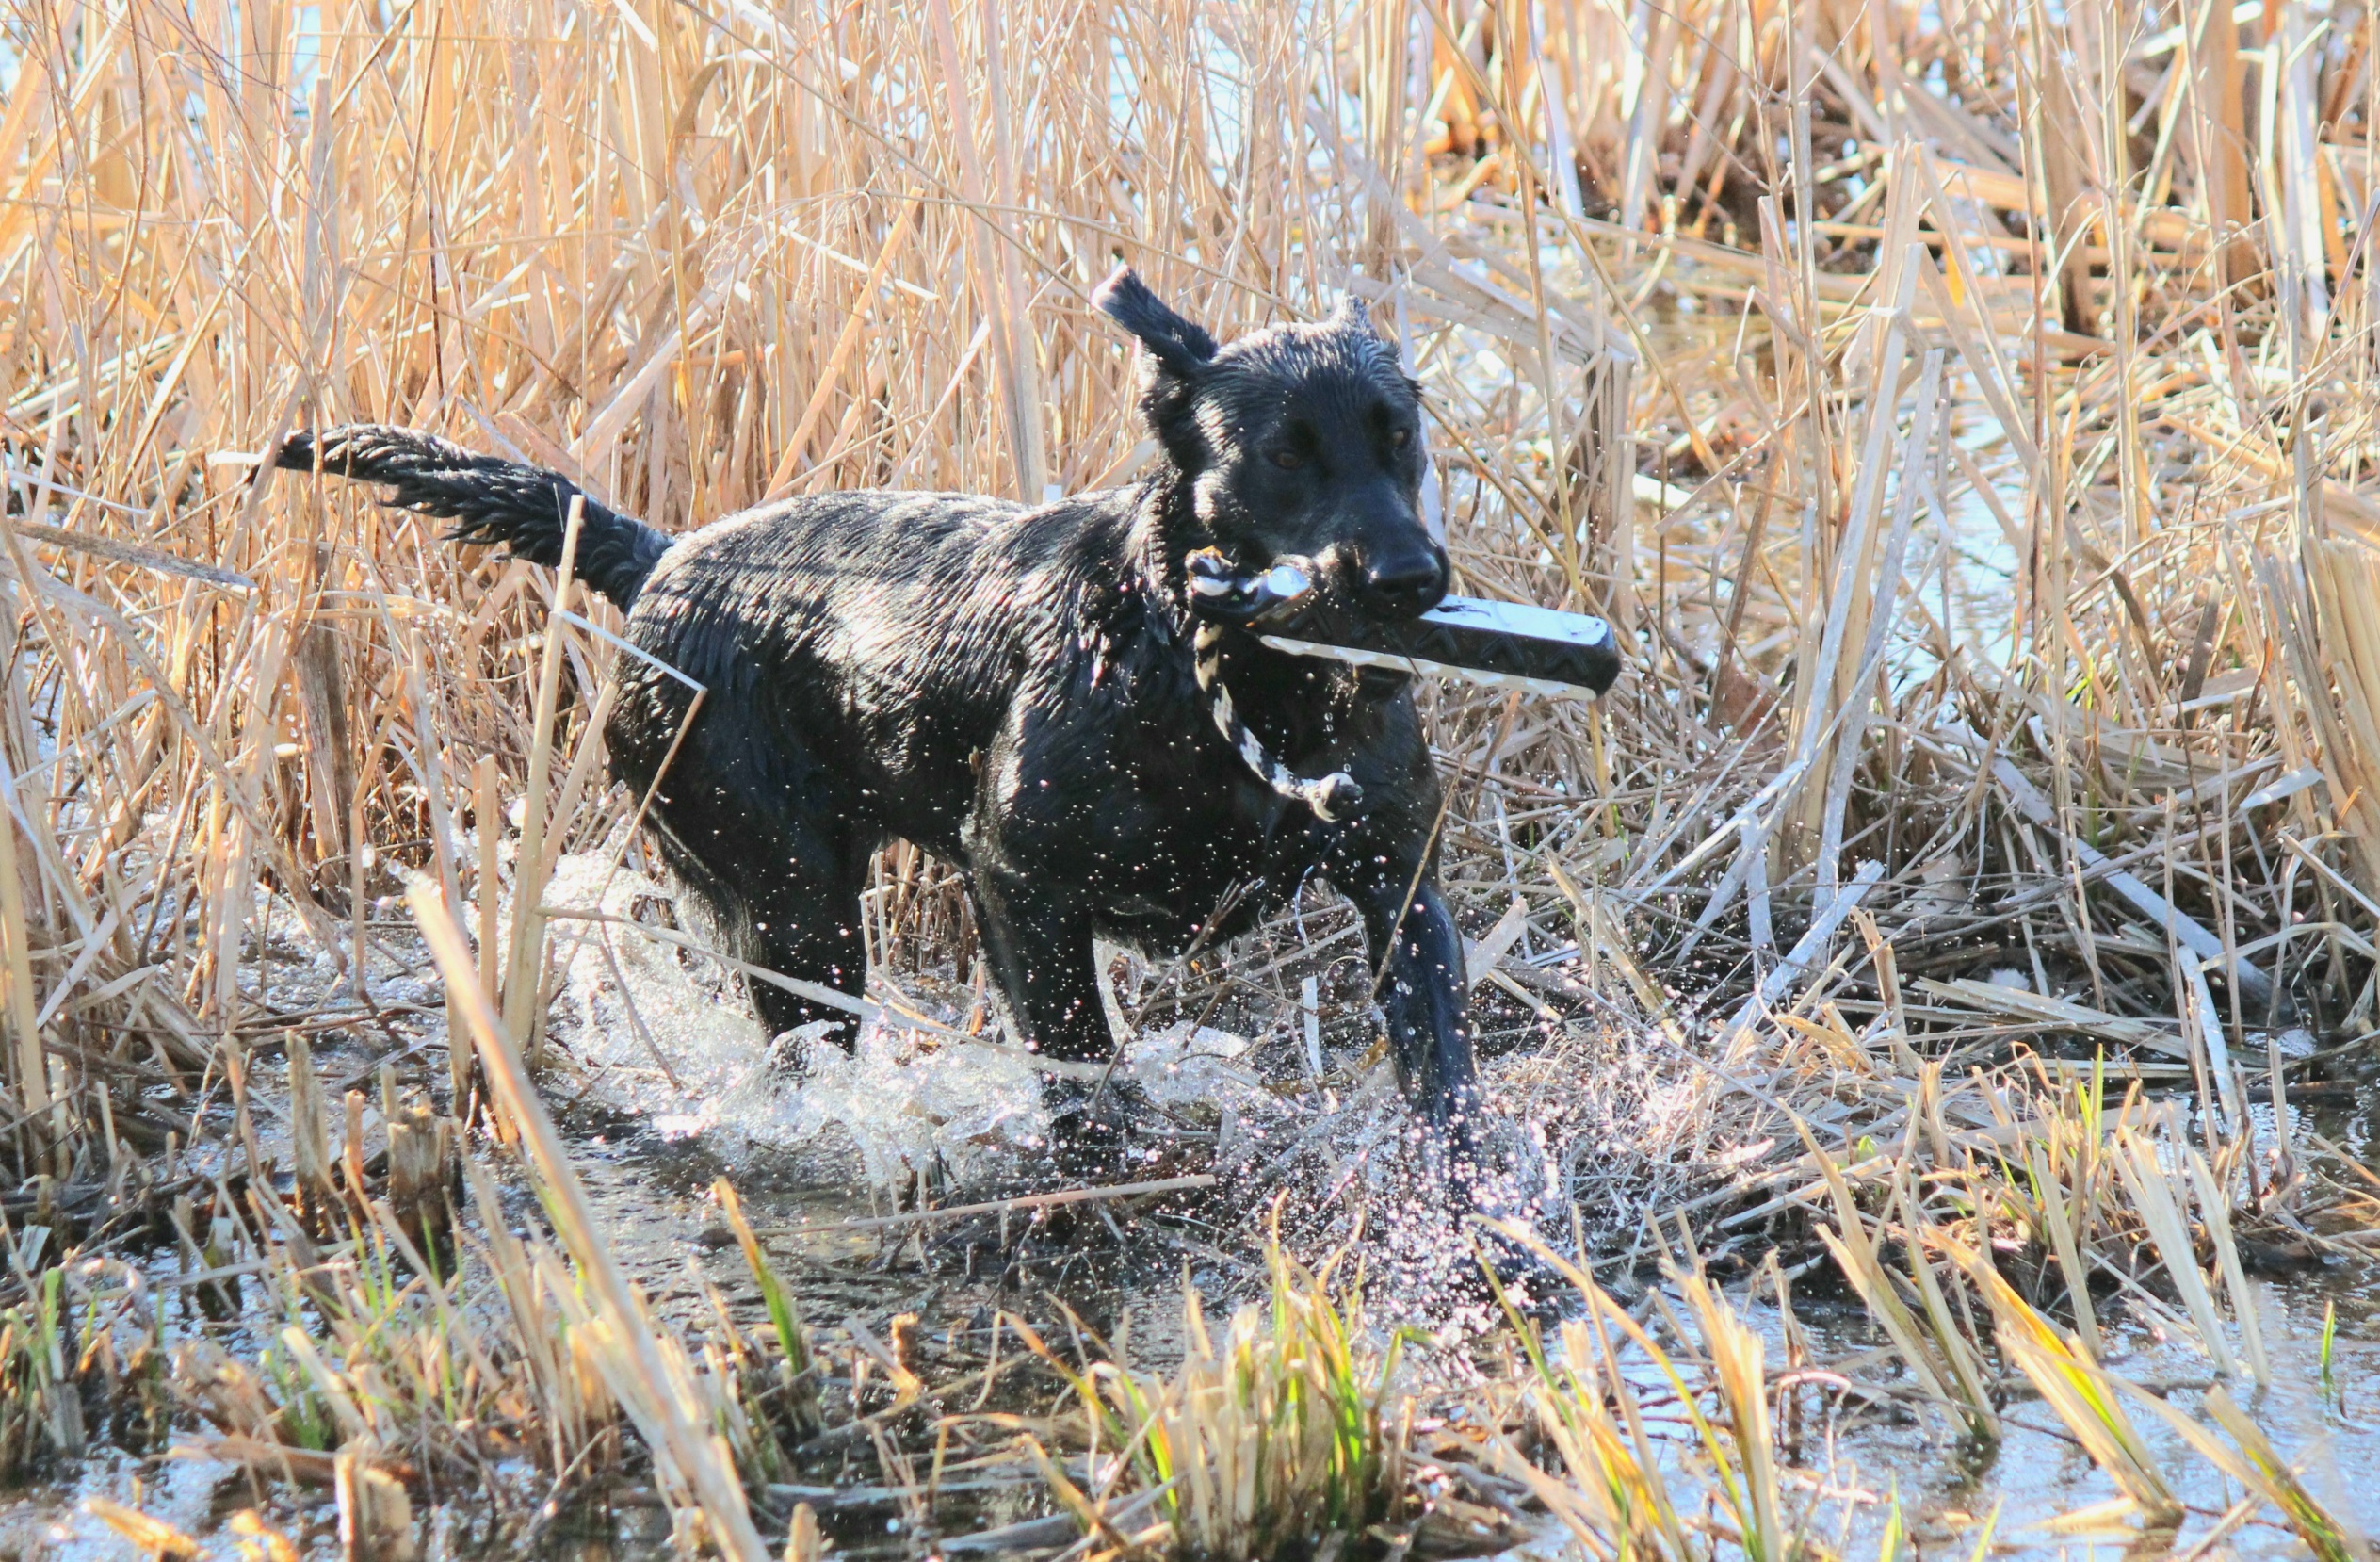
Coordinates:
795 1056
1528 1284
1091 1124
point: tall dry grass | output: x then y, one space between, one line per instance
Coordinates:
697 257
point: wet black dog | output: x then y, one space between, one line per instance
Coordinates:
1018 692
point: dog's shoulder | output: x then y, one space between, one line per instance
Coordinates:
1097 548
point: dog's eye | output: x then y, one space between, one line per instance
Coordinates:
1288 458
1399 438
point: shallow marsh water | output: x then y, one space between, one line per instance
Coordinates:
659 1107
2025 1490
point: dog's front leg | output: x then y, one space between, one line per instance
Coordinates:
1417 954
1038 948
1040 954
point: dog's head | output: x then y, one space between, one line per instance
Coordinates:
1297 440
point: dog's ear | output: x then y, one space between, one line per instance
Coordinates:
1351 314
1176 343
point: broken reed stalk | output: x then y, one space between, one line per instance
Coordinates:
525 965
1004 1206
652 1383
32 1062
309 1129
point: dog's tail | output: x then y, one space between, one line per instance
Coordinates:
490 501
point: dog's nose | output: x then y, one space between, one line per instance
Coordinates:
1405 584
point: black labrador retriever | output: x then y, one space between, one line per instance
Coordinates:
1032 695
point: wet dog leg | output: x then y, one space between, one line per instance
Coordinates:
1417 953
813 937
1041 955
1038 948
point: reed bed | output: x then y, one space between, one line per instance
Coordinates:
1961 410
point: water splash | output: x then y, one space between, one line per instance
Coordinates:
663 1035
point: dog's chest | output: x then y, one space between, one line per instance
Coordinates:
1140 807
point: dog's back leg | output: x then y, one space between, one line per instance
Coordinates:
812 934
798 877
776 849
1041 959
784 901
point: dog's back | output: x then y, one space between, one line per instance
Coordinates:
884 638
866 653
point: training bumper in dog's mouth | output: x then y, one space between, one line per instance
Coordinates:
1506 644
1224 598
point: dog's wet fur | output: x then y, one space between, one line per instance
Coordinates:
1013 690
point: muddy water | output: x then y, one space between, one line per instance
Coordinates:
653 1186
1947 1491
856 1137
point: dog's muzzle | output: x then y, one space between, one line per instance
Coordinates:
1405 587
